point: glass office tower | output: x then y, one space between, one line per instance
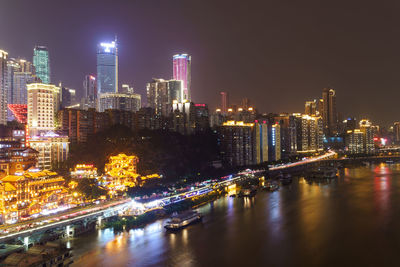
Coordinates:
41 61
107 68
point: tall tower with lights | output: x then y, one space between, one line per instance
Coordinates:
41 61
107 67
182 71
3 87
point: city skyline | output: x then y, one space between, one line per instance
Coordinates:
298 69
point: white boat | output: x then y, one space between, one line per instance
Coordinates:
180 221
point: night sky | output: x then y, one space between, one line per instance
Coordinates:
277 53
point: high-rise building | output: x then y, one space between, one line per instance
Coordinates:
329 115
20 81
127 102
310 134
396 133
310 108
274 142
89 99
349 124
162 93
126 89
43 104
354 142
367 129
41 61
217 118
260 143
107 68
202 120
182 71
68 96
224 102
20 73
12 67
183 117
175 90
288 134
3 87
237 143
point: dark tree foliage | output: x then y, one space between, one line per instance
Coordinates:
90 189
168 153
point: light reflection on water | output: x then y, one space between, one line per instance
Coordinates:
328 223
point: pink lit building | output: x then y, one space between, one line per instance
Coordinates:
182 69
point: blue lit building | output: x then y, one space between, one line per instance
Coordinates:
41 61
107 68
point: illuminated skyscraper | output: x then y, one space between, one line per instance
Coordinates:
237 143
3 87
224 102
274 142
107 68
182 71
41 61
89 92
43 103
367 129
261 143
329 111
161 94
310 108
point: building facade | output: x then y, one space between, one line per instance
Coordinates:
237 143
274 142
162 93
43 103
89 99
182 71
329 114
354 142
41 62
107 68
3 87
53 149
261 143
120 101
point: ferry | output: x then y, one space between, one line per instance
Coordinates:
180 221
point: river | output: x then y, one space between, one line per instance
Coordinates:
351 221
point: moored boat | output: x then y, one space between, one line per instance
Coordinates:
182 220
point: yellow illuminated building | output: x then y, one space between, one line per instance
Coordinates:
84 171
121 171
30 192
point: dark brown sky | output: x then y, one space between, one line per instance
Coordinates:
277 53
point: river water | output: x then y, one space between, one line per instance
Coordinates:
351 221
